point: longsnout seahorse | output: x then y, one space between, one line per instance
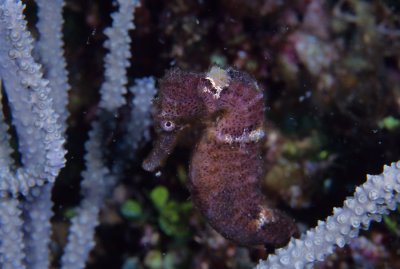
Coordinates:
226 165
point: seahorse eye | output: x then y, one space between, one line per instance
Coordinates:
168 125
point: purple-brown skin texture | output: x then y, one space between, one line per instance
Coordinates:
227 164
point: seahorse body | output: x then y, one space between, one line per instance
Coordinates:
226 165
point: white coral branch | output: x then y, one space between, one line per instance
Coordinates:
376 197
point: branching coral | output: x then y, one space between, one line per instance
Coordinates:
39 112
379 195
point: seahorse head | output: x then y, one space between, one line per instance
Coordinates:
177 106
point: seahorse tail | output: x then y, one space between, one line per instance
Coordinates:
224 184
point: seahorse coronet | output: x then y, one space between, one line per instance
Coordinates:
219 79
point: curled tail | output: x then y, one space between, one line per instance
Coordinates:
225 187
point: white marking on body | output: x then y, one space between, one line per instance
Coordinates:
264 218
245 137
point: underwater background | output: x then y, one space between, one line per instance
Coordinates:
331 75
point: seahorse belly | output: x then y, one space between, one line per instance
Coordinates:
224 184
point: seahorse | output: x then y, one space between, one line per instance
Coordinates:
226 164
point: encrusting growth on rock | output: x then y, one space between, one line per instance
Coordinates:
227 164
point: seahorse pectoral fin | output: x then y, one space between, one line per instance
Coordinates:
162 148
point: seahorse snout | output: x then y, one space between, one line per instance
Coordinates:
162 148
